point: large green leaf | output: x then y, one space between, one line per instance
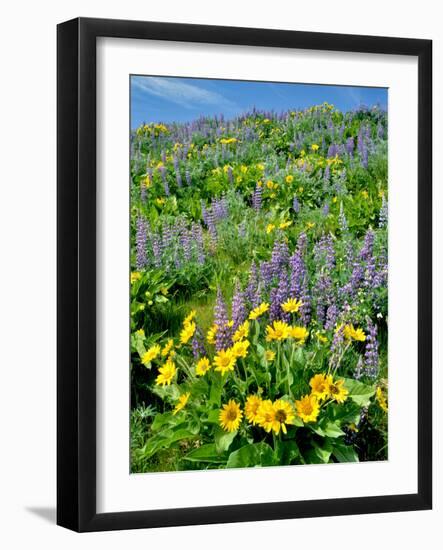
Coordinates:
327 429
359 393
344 453
254 454
223 439
164 440
206 453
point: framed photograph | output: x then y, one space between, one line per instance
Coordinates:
244 274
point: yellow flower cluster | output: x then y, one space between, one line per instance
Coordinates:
279 330
352 333
189 328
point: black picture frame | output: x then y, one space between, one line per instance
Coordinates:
76 268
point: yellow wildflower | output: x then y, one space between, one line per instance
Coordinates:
336 390
352 333
283 414
167 373
152 353
167 347
315 147
308 408
259 310
284 225
242 332
289 178
279 330
187 332
299 333
269 228
240 349
224 361
381 399
319 386
269 355
292 305
182 400
202 367
265 416
230 416
135 276
189 318
252 405
210 335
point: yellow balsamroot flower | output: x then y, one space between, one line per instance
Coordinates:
259 310
299 333
230 416
243 169
135 276
289 178
228 141
224 361
271 185
167 373
279 330
261 167
182 400
210 335
189 317
315 147
240 349
283 414
164 290
187 332
310 225
140 332
352 333
270 355
265 416
321 337
381 399
364 194
230 323
291 306
239 179
160 201
319 386
202 367
252 405
242 332
152 353
269 228
285 225
334 199
167 347
336 390
308 408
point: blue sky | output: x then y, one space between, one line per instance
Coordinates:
171 99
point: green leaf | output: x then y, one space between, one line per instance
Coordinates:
206 453
344 453
254 454
213 416
359 393
164 440
223 439
327 429
216 391
287 451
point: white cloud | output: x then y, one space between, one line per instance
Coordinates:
183 93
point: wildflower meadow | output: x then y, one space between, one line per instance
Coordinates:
258 288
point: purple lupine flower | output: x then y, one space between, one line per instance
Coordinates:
282 295
266 274
156 250
279 257
274 309
383 215
188 177
325 210
327 173
252 283
358 373
143 190
371 353
230 175
296 205
257 197
197 236
185 242
210 223
332 150
331 317
239 311
350 146
198 347
140 239
223 334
